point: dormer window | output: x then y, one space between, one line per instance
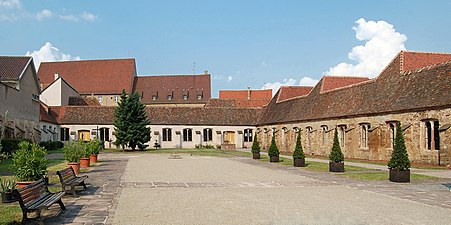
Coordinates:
154 97
185 97
100 99
185 94
170 95
200 94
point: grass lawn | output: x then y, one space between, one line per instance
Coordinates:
379 175
198 152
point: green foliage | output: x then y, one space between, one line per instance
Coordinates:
399 158
29 163
85 153
298 152
131 122
255 145
336 155
94 147
73 151
7 186
273 150
11 145
51 145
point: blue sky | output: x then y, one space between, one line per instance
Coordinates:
240 43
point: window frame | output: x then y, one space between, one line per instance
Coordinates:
364 135
342 135
187 135
207 134
167 134
248 135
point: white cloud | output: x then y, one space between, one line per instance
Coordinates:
229 78
382 44
88 16
10 4
44 14
69 18
305 81
49 53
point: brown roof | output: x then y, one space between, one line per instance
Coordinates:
334 82
245 94
108 76
237 103
175 85
104 115
288 92
83 101
390 92
46 115
12 67
416 60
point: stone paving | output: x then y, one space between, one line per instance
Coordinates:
123 189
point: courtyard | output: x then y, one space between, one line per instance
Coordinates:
141 188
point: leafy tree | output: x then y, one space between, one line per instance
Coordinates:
131 122
298 152
336 155
273 150
255 145
399 157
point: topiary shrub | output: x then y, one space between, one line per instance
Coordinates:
273 150
298 152
94 147
336 155
29 162
399 157
73 151
255 145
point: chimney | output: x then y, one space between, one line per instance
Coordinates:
248 92
206 72
56 75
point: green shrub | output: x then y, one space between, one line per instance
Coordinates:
29 163
73 151
11 145
7 186
336 155
255 145
298 152
51 145
399 157
273 150
94 147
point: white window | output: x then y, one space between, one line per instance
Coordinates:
199 97
247 135
391 133
323 135
208 134
432 136
185 97
187 135
364 135
309 137
116 99
169 97
167 134
342 135
154 97
100 99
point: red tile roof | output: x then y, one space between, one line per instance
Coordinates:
175 85
245 94
108 76
288 92
46 115
333 82
237 103
416 60
85 100
11 67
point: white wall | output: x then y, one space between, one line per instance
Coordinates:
57 94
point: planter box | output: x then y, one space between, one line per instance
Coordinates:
84 162
401 176
299 162
93 158
256 155
336 167
75 166
274 159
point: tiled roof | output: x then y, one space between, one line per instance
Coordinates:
11 67
391 92
416 60
104 115
237 103
175 85
46 115
288 92
108 76
83 101
245 94
333 82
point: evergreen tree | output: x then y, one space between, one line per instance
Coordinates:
298 152
120 121
273 150
255 145
399 157
336 155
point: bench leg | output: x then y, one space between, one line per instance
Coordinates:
72 189
24 217
60 202
84 185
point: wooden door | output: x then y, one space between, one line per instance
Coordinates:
84 135
229 137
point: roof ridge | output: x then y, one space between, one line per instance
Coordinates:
428 67
412 51
88 60
347 86
348 76
167 75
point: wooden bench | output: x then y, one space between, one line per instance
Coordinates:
68 178
156 145
35 197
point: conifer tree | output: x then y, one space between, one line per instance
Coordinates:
298 152
120 121
255 145
399 158
336 155
273 150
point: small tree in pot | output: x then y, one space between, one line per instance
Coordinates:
29 163
85 153
72 153
94 148
255 148
336 157
399 163
298 154
6 188
273 151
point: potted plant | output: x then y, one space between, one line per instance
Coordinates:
94 148
85 153
336 157
6 188
273 151
399 163
29 163
72 153
298 154
255 148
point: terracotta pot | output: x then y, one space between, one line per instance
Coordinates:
336 167
400 176
75 166
299 162
84 162
256 155
274 159
93 158
21 184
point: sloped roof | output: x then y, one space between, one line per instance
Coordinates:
333 82
12 67
83 101
175 85
415 60
237 103
109 76
288 92
46 115
245 94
